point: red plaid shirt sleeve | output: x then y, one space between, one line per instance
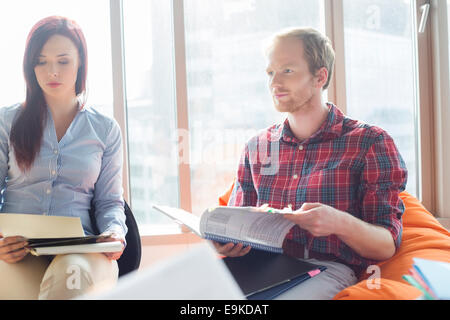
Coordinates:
383 177
244 193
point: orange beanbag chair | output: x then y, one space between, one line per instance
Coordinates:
423 237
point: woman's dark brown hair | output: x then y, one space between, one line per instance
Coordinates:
27 129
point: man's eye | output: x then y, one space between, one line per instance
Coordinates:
288 71
269 73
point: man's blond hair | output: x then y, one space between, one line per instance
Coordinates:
317 48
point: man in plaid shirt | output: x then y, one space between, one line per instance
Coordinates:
341 177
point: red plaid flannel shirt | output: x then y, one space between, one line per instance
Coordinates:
346 164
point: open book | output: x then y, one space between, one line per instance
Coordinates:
52 235
247 225
261 274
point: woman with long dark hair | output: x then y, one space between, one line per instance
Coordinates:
58 157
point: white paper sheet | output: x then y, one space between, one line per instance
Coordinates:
197 274
188 219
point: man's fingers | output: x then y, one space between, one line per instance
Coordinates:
309 205
246 250
236 250
239 250
303 219
227 247
299 215
262 208
230 249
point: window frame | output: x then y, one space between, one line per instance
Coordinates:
440 94
424 114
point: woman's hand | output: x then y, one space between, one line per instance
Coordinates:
230 249
12 249
111 236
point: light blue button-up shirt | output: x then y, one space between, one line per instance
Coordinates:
86 164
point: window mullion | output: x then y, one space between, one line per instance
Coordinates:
182 105
439 59
424 106
334 26
119 88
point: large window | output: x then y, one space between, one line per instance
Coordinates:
227 85
380 72
92 16
204 71
227 96
152 127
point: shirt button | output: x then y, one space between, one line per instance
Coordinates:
295 176
300 147
55 151
53 172
48 191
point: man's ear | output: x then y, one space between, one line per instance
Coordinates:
321 77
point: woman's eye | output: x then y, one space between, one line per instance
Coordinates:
64 62
41 63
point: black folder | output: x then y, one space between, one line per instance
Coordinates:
50 242
263 275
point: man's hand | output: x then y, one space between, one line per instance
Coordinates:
12 249
368 240
317 218
111 236
231 250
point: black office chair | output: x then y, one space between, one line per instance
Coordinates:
131 256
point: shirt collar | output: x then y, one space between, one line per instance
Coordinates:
330 128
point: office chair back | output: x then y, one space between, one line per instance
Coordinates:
131 256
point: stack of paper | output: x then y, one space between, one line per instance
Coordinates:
431 277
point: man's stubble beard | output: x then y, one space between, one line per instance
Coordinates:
293 105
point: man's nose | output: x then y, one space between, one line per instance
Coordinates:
275 81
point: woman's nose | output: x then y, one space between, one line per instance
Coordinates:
53 71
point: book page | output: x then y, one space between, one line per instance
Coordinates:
246 224
188 219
